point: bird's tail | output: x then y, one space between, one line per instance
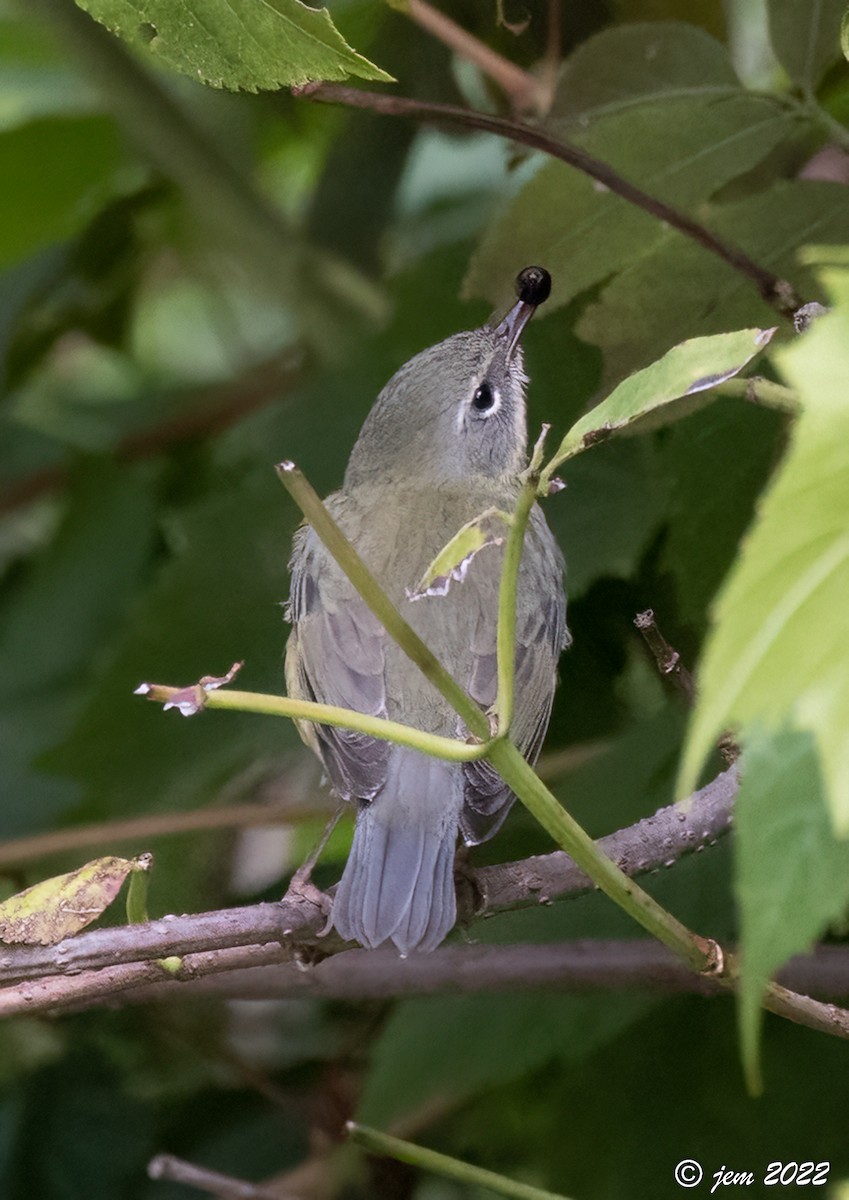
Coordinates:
398 882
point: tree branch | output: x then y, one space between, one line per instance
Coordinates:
153 825
279 932
569 967
647 846
777 292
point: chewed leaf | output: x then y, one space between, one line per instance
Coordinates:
251 46
691 367
60 907
452 561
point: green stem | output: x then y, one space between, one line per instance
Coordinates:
346 556
137 897
506 634
521 778
452 1168
326 714
761 391
214 185
837 132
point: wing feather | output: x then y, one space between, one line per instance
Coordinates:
540 636
336 655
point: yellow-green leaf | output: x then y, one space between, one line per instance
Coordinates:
776 655
792 876
691 367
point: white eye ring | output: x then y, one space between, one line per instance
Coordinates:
485 400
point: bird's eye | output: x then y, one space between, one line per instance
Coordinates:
483 398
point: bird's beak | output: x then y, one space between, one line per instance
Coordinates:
512 325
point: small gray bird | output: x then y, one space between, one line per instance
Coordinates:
445 440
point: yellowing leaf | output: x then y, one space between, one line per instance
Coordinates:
452 561
60 907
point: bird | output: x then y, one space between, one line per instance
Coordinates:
445 440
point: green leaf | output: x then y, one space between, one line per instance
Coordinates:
34 80
776 654
806 38
248 45
54 174
377 1142
612 507
484 1041
692 367
681 150
678 289
56 627
213 603
626 65
792 874
844 34
706 522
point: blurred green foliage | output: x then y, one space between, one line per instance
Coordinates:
159 352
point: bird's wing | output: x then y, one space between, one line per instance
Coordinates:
540 636
335 655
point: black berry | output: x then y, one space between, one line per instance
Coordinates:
533 285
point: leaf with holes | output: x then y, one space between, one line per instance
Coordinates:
251 46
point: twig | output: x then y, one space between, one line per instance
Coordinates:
667 658
758 390
777 292
569 968
654 843
227 816
269 973
605 874
669 664
296 921
452 1168
522 89
177 1170
550 766
506 632
323 714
